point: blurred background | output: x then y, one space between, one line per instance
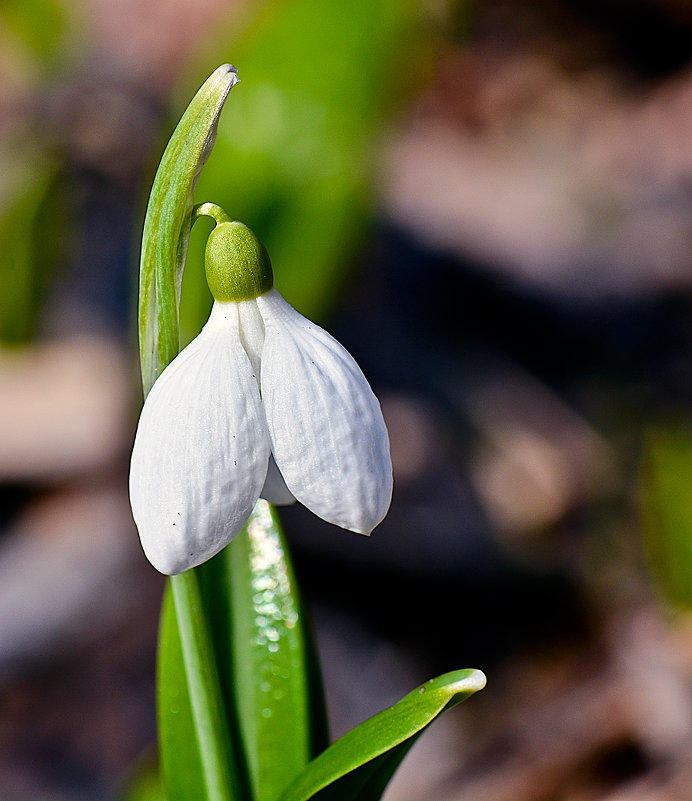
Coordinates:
489 203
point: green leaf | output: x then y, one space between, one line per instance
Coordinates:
167 224
667 511
265 656
360 764
252 654
198 742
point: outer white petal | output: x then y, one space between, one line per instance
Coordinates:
201 450
251 327
275 490
327 432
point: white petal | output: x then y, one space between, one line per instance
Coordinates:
251 333
201 450
251 326
327 432
275 490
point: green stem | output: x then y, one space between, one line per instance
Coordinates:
211 730
209 210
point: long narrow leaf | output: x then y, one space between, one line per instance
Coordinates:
263 647
195 732
359 764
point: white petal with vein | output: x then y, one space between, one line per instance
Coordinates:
201 451
326 427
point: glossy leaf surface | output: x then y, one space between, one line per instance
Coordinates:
257 655
264 653
360 764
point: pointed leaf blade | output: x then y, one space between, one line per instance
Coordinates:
360 764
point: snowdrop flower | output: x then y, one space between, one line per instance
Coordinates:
263 403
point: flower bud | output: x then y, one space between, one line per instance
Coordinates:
236 263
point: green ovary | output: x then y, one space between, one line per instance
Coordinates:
236 263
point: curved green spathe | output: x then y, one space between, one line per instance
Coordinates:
168 221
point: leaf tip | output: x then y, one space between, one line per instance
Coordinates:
226 73
460 682
475 681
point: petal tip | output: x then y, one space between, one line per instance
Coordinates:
170 564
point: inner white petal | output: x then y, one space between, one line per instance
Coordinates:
251 333
275 490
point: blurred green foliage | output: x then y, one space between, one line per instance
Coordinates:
293 158
32 237
144 784
41 27
34 37
667 511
